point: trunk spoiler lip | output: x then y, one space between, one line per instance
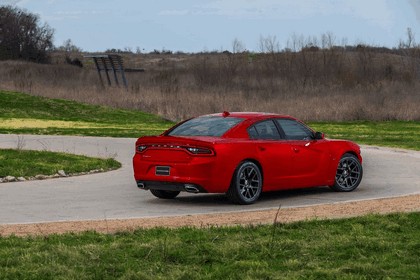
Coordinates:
183 140
196 147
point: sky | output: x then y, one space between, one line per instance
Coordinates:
208 25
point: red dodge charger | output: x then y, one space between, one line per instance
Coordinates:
244 154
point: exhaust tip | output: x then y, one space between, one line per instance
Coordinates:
191 188
141 186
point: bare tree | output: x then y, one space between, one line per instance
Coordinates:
327 40
69 47
237 46
22 36
410 41
269 44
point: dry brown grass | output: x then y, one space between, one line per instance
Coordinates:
322 85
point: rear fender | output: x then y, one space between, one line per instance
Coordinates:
227 162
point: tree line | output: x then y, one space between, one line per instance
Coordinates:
22 36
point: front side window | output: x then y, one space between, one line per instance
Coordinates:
205 126
295 130
266 130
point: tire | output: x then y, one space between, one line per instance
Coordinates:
165 194
246 185
349 174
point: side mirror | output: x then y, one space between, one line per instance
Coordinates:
319 135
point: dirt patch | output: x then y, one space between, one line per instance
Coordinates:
287 215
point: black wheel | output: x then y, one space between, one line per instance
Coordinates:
246 184
349 174
164 194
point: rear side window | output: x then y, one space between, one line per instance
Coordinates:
264 130
294 130
205 126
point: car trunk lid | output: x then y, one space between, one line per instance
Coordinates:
172 149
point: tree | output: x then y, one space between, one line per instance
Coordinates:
269 44
237 46
23 37
410 42
69 47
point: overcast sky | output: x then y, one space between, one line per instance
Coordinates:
206 25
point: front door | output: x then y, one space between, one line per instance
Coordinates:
274 154
310 157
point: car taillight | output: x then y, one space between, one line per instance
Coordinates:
191 149
199 151
141 148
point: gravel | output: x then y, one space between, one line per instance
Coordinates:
282 215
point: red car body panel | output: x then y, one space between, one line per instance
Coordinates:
284 164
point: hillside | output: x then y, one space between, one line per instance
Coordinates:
335 84
22 113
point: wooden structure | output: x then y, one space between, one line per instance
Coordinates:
110 63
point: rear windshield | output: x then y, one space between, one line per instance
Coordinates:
205 126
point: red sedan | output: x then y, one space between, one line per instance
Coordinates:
242 155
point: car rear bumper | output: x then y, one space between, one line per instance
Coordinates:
200 174
170 186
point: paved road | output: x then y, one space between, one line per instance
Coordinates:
114 195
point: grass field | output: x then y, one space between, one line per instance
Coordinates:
24 113
331 84
399 134
370 247
22 163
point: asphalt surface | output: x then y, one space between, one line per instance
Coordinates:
113 195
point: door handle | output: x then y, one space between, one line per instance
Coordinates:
261 148
296 150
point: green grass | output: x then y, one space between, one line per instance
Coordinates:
370 247
400 134
22 163
22 113
94 120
